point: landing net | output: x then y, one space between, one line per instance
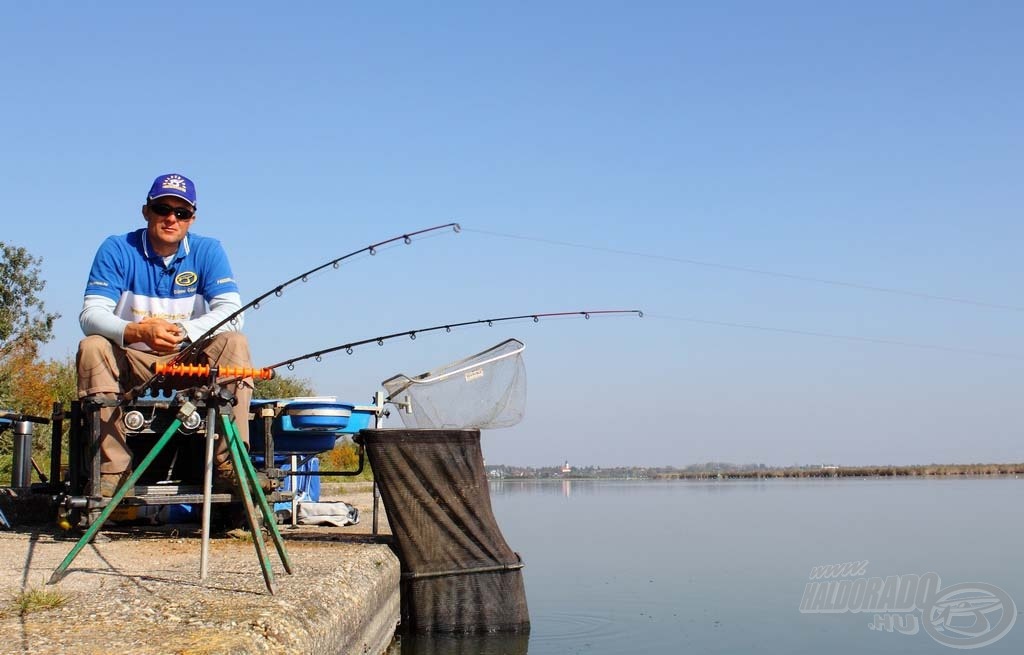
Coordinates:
484 391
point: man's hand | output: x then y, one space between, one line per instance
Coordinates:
162 337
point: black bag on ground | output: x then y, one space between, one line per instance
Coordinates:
458 573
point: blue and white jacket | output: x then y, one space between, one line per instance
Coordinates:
129 282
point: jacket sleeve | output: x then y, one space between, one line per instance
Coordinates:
97 317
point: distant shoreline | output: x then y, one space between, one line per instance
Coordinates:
757 473
928 471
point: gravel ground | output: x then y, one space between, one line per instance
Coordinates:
138 591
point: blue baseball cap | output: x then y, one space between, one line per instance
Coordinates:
173 184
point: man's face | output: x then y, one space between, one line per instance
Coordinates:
166 231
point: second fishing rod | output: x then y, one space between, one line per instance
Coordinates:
267 372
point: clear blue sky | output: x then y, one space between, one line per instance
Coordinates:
873 143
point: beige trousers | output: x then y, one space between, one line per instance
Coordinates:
107 370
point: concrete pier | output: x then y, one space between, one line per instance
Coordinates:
138 591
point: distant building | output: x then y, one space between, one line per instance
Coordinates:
566 469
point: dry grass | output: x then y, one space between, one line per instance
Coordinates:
34 600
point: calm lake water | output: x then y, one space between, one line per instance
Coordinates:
723 567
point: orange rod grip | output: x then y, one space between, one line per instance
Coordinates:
182 369
199 370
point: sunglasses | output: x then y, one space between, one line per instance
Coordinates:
162 210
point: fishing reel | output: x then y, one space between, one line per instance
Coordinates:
141 416
135 421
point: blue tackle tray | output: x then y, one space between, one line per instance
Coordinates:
306 427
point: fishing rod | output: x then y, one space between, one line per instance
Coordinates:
267 372
204 339
303 277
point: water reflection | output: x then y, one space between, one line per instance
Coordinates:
485 644
567 488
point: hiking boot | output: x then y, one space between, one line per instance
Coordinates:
111 482
225 480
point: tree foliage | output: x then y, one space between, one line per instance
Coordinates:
24 326
24 321
344 457
31 386
283 386
27 385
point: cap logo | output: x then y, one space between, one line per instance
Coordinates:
175 183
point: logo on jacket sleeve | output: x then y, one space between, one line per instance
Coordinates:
186 279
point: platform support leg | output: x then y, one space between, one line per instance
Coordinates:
241 477
238 451
204 547
119 495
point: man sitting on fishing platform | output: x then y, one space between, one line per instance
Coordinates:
150 292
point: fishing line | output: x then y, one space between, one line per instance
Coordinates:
756 271
844 337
